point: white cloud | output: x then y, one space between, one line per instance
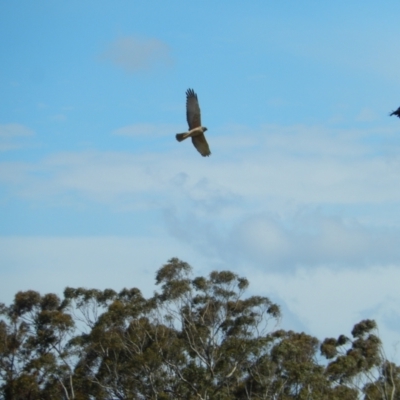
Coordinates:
49 264
308 239
329 302
14 130
301 196
313 240
150 130
100 177
135 54
12 136
58 117
280 167
310 215
366 115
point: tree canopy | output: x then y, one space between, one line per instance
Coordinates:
195 338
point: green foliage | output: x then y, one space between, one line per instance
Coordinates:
353 359
34 332
197 338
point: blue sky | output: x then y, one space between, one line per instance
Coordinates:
301 193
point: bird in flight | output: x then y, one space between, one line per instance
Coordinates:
196 131
397 112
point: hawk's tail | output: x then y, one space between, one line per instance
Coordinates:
181 136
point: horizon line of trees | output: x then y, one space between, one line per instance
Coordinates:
196 338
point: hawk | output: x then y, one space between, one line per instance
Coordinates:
397 112
196 131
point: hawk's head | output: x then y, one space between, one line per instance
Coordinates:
204 128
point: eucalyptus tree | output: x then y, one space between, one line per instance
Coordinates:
34 359
198 338
219 332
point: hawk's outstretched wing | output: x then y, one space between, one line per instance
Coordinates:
192 109
396 113
200 142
